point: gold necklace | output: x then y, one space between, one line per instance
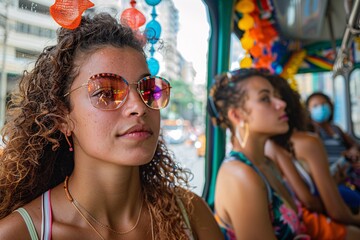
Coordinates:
70 198
106 226
75 204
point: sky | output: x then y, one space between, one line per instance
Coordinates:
193 36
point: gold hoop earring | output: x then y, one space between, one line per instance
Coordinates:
68 141
242 141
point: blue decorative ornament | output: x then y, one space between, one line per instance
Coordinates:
153 65
152 2
153 31
278 69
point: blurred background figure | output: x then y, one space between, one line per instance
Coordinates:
303 161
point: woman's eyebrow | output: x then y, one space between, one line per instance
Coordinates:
264 91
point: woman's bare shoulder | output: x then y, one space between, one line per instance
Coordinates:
307 139
239 172
202 220
13 226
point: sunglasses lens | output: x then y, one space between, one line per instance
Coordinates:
155 91
107 91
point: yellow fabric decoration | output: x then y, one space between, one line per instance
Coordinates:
246 62
247 43
245 6
246 22
292 67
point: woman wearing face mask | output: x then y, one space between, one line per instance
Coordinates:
337 143
341 149
303 161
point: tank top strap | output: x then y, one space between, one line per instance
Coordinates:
241 157
186 218
29 223
305 176
46 225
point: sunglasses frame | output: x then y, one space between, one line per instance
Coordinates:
95 76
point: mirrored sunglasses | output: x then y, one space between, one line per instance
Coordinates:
108 91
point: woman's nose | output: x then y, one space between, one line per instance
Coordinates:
280 104
134 104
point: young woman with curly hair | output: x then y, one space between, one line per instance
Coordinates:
82 156
249 189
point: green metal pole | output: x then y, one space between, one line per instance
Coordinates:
225 10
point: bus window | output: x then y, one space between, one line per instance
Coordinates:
183 124
355 101
313 82
338 98
333 87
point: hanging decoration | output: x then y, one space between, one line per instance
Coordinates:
132 17
259 34
319 62
67 13
292 67
153 32
245 7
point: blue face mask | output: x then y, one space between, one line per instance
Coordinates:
321 113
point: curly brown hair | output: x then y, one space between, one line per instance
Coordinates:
33 158
228 92
295 110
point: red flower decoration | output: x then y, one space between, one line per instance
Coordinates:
67 13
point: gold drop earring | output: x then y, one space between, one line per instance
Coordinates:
242 141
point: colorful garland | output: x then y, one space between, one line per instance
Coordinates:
260 35
153 32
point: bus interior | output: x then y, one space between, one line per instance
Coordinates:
315 44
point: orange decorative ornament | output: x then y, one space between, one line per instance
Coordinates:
265 61
256 51
257 34
133 18
67 13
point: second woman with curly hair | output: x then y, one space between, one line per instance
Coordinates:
249 189
82 156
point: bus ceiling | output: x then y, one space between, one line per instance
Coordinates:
312 24
313 21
